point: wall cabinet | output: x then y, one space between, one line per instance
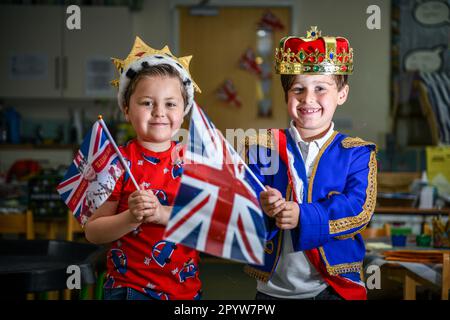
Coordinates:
41 57
31 51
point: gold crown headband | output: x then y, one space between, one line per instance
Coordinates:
142 56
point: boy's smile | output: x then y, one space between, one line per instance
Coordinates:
156 111
309 111
312 101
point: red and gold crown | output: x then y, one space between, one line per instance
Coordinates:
314 55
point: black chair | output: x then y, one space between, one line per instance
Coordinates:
41 265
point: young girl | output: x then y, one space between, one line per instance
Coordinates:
155 92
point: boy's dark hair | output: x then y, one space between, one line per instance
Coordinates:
155 70
288 79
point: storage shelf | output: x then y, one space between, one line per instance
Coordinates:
412 211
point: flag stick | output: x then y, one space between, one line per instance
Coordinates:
122 160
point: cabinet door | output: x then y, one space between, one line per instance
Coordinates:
105 32
237 27
30 63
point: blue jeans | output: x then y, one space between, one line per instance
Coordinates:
124 294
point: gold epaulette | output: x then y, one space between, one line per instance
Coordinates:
260 139
352 142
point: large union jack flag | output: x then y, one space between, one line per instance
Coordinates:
91 177
216 209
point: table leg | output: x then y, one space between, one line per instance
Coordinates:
445 276
52 230
67 294
53 295
409 289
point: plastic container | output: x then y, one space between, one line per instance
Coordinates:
423 240
398 240
399 236
3 125
14 119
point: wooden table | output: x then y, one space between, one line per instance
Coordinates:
410 279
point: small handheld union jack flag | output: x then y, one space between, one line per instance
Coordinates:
91 177
216 209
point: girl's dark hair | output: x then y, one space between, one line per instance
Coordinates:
149 71
288 79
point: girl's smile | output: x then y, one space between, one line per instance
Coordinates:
156 111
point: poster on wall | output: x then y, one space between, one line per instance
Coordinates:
431 13
99 72
28 66
425 49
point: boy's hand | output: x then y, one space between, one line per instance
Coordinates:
141 204
272 201
288 218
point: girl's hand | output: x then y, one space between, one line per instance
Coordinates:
160 214
272 201
289 216
141 204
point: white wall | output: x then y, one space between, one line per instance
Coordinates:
154 23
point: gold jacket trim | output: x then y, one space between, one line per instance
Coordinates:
268 248
340 268
352 142
257 274
345 224
331 193
351 235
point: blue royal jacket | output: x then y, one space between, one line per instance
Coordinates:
337 204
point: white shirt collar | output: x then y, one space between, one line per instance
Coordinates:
320 142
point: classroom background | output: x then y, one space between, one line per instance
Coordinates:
55 74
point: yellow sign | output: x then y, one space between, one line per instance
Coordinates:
438 168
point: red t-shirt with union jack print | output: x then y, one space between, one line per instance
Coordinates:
142 260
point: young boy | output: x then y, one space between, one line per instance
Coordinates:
314 249
155 92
